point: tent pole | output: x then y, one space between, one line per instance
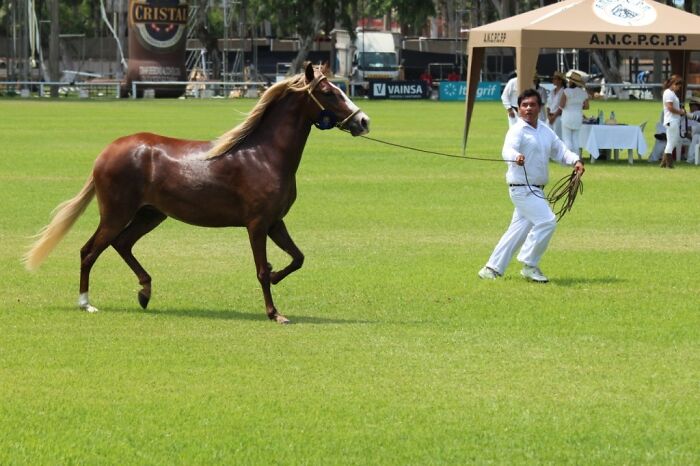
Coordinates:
526 65
474 63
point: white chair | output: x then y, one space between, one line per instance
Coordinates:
659 146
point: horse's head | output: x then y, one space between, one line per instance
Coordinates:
334 107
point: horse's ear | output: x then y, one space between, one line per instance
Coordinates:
309 72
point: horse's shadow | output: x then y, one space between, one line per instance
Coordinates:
231 314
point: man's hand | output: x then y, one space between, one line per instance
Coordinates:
520 159
578 167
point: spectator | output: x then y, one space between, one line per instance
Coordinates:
509 97
543 96
672 122
573 101
554 103
427 78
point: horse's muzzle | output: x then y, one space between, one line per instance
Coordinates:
359 124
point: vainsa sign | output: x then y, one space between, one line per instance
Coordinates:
398 90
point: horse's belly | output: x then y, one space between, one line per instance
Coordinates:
209 209
213 207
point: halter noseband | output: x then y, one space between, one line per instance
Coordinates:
326 119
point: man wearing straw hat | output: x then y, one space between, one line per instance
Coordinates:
573 101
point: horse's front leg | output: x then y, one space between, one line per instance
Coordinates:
278 233
258 242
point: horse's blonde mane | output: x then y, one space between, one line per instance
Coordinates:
232 138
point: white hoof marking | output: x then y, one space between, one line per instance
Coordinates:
84 303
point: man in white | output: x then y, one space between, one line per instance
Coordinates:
509 97
528 146
694 127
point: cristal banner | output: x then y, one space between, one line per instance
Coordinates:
157 40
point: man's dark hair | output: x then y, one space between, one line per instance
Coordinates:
530 93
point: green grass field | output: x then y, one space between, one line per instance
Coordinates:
399 355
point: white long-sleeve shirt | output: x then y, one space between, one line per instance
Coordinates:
538 145
670 97
509 97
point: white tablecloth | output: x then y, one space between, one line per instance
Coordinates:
595 137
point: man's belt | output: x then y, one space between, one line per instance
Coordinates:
541 186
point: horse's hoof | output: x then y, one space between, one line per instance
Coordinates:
89 308
143 299
282 319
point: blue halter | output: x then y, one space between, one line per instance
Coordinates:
326 119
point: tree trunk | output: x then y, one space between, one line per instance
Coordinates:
609 67
504 8
208 40
307 40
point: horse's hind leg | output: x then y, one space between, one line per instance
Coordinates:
145 220
279 234
258 242
103 236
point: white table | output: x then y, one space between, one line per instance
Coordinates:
615 137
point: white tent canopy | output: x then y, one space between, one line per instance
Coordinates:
583 24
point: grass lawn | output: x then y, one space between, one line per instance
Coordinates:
399 353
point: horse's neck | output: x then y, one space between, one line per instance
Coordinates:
285 129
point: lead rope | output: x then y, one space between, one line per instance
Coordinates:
566 189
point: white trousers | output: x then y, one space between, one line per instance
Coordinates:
673 139
530 230
556 126
572 138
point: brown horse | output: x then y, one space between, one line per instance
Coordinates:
246 178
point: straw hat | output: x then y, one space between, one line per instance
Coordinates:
560 75
576 78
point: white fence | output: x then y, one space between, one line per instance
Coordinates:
106 89
117 89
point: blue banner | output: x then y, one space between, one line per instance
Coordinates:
398 90
457 90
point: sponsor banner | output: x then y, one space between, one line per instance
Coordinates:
398 90
157 37
457 90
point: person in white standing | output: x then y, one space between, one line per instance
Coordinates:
509 97
672 122
543 95
554 103
694 128
573 101
528 147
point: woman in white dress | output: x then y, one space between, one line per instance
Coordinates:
554 103
573 101
672 121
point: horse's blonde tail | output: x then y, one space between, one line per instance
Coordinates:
64 216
